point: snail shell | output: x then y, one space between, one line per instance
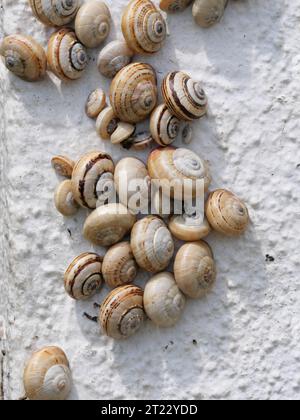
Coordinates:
133 92
67 57
108 224
143 27
95 103
161 205
194 269
83 277
92 179
54 12
164 127
47 375
184 97
189 227
208 12
119 266
139 141
92 23
63 166
122 132
226 213
122 312
64 199
113 57
152 244
24 57
163 301
172 6
106 123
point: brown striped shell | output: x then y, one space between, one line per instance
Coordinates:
96 102
184 97
54 12
143 27
24 57
172 6
63 166
122 312
164 126
226 213
189 227
113 57
92 179
133 92
64 199
83 277
208 12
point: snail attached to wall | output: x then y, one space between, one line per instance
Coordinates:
139 141
64 200
186 227
95 103
113 57
63 166
173 6
55 12
164 126
106 123
208 12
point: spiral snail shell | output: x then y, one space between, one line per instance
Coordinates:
152 244
96 102
92 23
226 213
139 141
24 57
133 92
208 12
113 57
122 312
164 127
172 6
67 57
54 12
63 166
143 27
189 227
106 123
194 269
64 199
184 97
163 301
47 375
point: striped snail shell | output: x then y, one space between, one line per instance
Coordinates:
67 57
63 166
83 277
184 97
133 92
194 269
47 375
122 312
164 126
92 179
143 27
139 141
95 103
152 244
64 199
119 266
208 12
189 227
226 213
54 12
173 6
24 57
106 123
113 57
92 23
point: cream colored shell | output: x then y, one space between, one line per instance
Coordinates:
122 312
47 375
161 204
172 6
163 301
139 141
24 57
194 269
106 123
164 127
64 199
208 12
63 166
122 132
54 12
96 102
189 227
113 57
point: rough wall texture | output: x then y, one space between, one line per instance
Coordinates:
242 341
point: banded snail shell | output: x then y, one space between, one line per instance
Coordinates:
119 266
92 23
24 57
106 123
54 12
47 375
133 92
92 179
63 166
152 244
226 213
163 301
83 277
96 102
139 141
113 57
143 27
64 199
184 97
189 227
67 57
194 269
208 12
122 312
172 6
164 126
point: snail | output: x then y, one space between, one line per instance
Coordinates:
63 166
189 227
163 301
122 132
184 97
187 134
24 57
194 269
47 375
83 277
139 141
161 205
92 179
54 12
180 172
133 92
152 244
96 102
119 266
132 183
92 23
226 213
164 127
113 57
122 312
208 12
64 199
108 224
67 57
106 123
172 6
143 27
